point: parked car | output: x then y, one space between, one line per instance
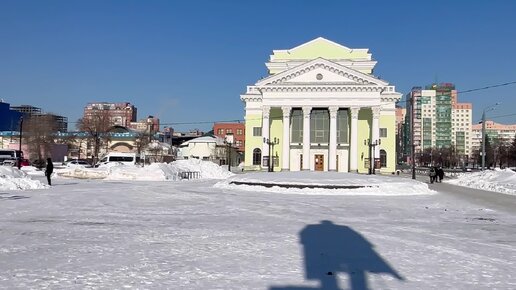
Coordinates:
78 162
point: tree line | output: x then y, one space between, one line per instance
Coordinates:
499 153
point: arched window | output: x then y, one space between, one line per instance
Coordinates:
257 156
383 158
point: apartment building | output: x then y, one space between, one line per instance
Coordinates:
121 114
147 125
236 129
59 123
440 121
497 133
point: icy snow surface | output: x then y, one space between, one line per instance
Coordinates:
499 180
140 234
376 184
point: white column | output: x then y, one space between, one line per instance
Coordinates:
265 132
375 134
332 165
353 142
285 161
306 137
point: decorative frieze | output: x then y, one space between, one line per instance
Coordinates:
320 88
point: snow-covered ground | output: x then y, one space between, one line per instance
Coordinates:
85 233
499 180
12 179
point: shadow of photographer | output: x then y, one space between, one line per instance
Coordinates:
329 249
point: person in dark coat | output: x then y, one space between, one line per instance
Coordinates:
49 170
440 173
433 174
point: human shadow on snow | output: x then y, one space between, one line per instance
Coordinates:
329 249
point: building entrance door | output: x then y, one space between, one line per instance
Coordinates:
319 162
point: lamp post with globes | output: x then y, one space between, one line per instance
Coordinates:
271 144
229 146
486 109
371 145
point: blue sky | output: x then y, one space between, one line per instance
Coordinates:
189 61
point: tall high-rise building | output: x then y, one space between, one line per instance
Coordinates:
440 121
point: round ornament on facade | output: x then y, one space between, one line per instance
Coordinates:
319 77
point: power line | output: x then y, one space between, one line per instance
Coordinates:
487 87
401 101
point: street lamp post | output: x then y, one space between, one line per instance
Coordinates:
486 109
21 132
371 145
271 144
413 151
229 146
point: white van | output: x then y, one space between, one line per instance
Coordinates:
119 157
10 156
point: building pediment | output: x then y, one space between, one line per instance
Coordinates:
321 71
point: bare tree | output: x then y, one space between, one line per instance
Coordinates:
39 136
97 126
512 152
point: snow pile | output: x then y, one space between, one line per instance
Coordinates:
499 180
206 168
83 173
11 178
372 184
153 172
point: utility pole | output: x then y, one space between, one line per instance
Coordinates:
483 139
490 108
413 151
21 133
229 155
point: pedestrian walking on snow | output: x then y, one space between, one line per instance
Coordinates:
440 173
49 169
432 174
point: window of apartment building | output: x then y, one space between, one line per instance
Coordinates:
239 131
238 143
229 131
383 132
257 131
220 131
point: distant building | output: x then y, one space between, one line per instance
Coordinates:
59 123
235 129
209 148
179 137
439 120
9 119
496 132
166 135
121 114
400 131
149 125
28 110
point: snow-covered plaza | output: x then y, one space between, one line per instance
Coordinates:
142 228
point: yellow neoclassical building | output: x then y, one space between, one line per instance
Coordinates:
319 109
